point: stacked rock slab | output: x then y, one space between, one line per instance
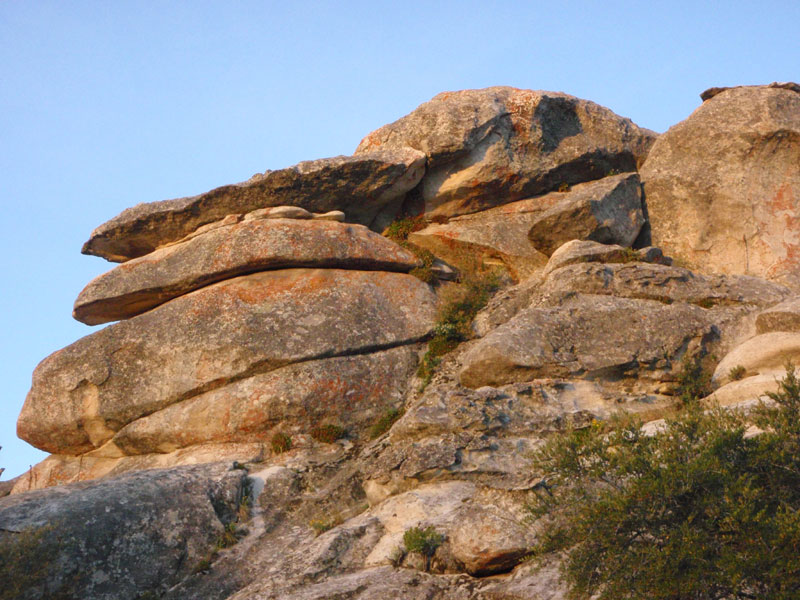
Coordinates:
489 147
241 330
722 188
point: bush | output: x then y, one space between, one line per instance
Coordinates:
736 373
281 442
694 381
422 541
327 433
385 422
699 510
459 303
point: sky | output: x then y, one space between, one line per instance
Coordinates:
107 104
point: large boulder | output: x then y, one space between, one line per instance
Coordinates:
781 317
722 188
361 186
123 537
588 336
84 393
348 391
234 249
496 145
664 283
608 210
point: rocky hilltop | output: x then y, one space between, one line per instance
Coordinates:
285 392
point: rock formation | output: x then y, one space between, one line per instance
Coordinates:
255 425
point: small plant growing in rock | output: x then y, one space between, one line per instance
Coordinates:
423 541
328 433
326 523
398 231
736 373
564 187
694 381
281 442
385 422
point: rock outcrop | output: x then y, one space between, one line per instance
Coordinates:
722 188
361 186
493 146
235 248
256 426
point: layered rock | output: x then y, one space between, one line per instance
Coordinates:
232 249
361 186
118 538
723 187
524 233
496 145
212 337
608 211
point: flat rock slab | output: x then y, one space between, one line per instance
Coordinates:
351 392
503 232
663 283
588 336
586 251
361 186
121 537
231 250
496 145
608 211
765 353
723 187
107 461
84 393
781 317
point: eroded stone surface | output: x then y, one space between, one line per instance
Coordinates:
781 317
228 251
84 393
763 354
608 211
586 251
588 335
723 187
120 537
361 186
496 145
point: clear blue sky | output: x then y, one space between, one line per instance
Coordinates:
107 104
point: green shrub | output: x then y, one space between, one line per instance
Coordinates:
385 422
324 524
694 381
328 433
698 511
281 442
736 373
423 542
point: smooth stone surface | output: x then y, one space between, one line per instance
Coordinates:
748 389
351 391
84 393
502 232
723 187
608 211
588 336
781 317
122 537
764 353
226 252
492 146
361 186
586 251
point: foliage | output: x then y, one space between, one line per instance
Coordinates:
563 187
398 231
324 524
281 442
736 373
422 541
694 381
25 558
459 303
328 433
697 511
385 422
